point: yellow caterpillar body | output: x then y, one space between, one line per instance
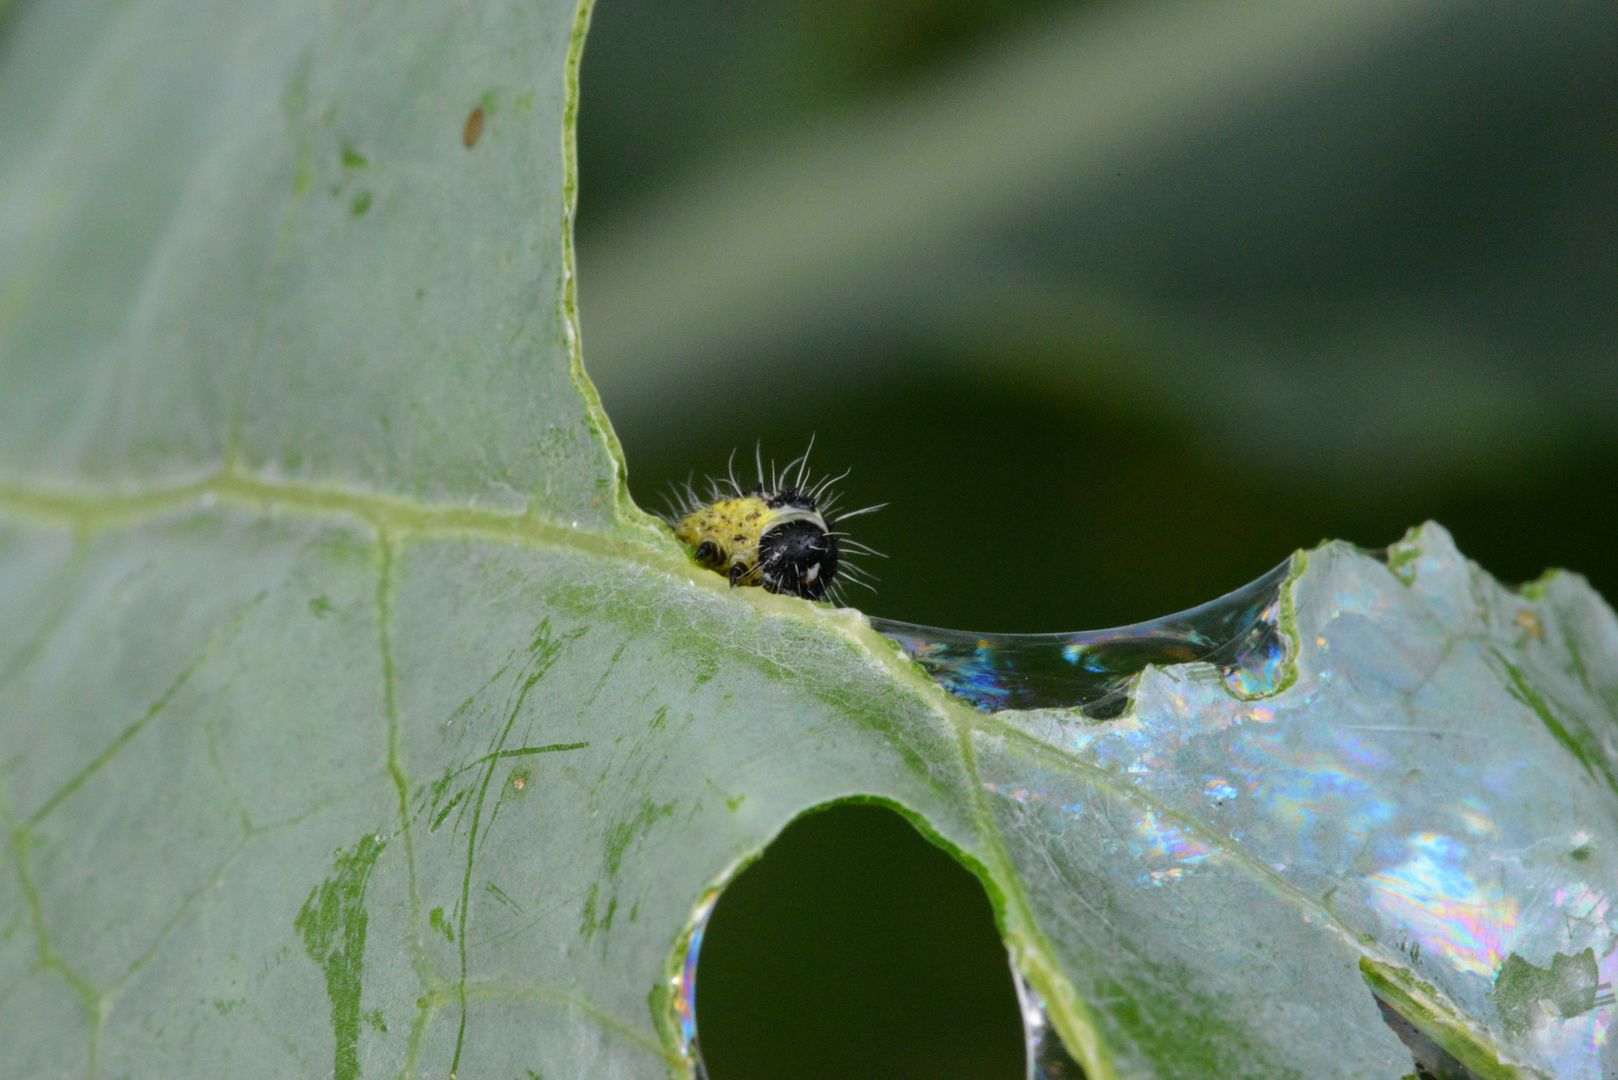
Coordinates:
768 539
777 536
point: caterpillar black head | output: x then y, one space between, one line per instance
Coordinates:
781 535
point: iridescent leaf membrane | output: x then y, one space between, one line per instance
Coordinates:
1431 803
353 722
1093 670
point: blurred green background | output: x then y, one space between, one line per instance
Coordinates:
1114 304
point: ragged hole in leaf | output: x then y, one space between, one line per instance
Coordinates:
855 948
1432 1061
1048 1059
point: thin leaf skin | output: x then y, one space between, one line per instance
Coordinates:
1214 975
250 235
1433 794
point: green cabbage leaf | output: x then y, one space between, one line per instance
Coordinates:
354 722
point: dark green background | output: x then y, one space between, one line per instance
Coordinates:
1464 178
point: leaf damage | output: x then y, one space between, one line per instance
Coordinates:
333 922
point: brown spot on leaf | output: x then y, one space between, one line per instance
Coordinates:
474 128
1526 620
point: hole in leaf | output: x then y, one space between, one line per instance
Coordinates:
1048 1059
855 948
1432 1061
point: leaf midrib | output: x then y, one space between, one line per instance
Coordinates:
105 509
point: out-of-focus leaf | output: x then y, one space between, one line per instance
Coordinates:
1327 239
353 722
